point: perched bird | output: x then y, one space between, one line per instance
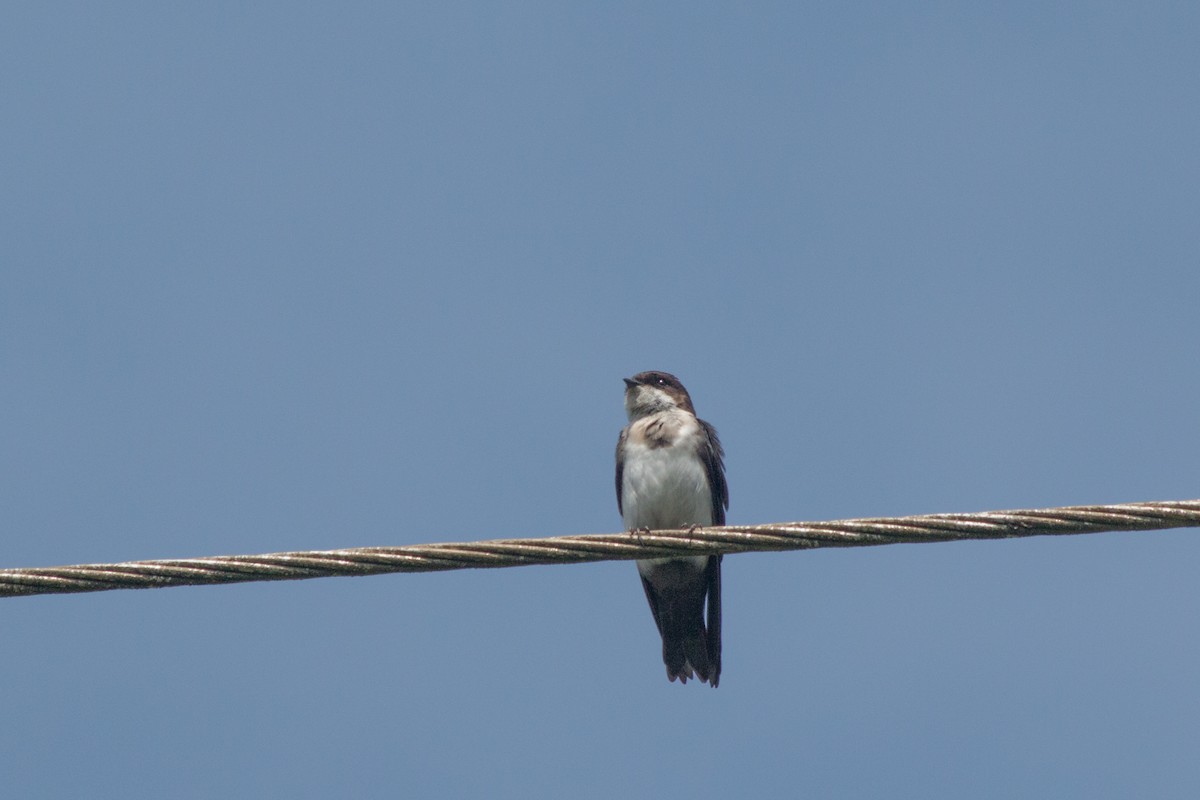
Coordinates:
671 474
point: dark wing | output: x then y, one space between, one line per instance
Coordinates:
713 456
620 470
652 598
713 638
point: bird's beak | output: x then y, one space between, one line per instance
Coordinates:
629 383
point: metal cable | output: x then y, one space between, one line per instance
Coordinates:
599 547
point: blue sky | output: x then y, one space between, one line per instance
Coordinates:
296 276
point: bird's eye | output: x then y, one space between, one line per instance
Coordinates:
661 381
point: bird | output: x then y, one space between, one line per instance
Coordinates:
671 474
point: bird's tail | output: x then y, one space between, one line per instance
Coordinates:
687 657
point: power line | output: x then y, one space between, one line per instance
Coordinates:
599 547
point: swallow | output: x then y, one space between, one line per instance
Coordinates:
671 474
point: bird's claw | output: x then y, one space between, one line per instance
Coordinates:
638 533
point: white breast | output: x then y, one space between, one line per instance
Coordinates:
665 487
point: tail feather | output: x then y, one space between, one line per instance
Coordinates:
686 658
691 645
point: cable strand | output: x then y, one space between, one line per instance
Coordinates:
579 549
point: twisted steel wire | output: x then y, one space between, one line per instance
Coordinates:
599 547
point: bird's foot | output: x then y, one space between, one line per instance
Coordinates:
638 533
